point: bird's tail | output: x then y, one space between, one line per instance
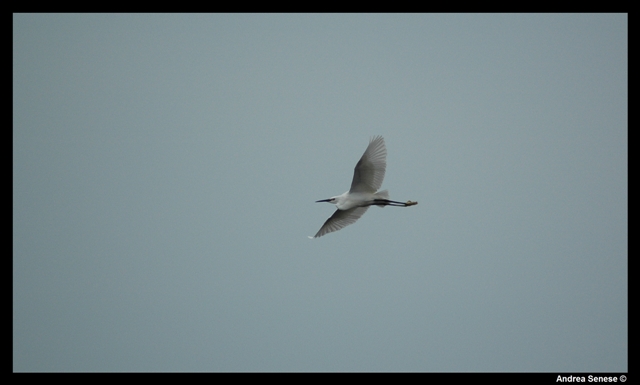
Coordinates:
384 194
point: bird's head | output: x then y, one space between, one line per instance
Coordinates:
333 200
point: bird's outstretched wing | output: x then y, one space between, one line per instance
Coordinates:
369 172
340 219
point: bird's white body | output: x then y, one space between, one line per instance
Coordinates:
349 200
367 179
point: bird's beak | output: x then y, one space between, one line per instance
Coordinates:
324 200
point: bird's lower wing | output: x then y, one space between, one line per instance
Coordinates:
340 219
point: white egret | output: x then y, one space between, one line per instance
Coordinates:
367 179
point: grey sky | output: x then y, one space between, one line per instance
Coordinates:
165 169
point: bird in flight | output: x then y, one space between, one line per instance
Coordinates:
367 179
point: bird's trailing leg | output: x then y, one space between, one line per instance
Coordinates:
387 202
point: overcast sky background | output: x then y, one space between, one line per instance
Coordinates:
165 169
